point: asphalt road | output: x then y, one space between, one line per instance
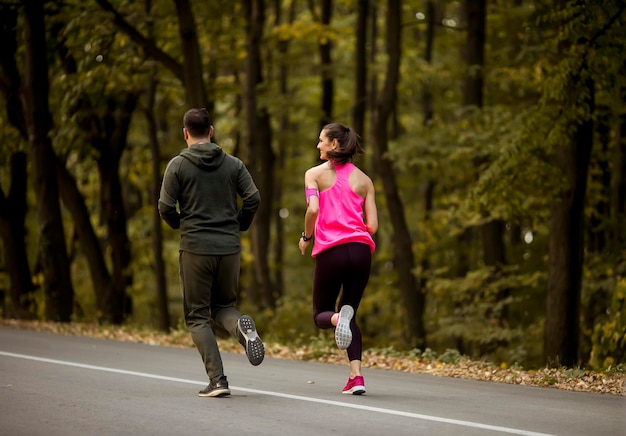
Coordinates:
66 385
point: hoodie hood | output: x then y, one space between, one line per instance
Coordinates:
205 155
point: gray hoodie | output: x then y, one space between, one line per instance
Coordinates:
205 181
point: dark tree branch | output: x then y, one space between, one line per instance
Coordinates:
145 43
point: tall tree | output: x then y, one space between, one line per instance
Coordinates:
155 187
566 244
428 186
68 189
257 141
110 140
372 86
103 115
58 289
360 82
492 231
91 246
191 75
13 206
328 83
157 229
12 231
283 144
147 44
195 90
572 159
618 197
10 80
403 256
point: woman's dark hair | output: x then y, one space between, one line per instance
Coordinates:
197 121
348 140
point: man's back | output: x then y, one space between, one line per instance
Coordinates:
205 182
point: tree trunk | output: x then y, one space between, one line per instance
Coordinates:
372 96
74 201
598 231
428 186
562 325
567 220
10 82
360 82
146 44
427 95
326 67
111 146
195 91
263 173
283 151
191 74
491 232
102 280
157 230
58 290
474 52
413 299
12 230
13 208
618 200
260 161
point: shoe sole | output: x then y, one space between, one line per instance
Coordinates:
215 393
249 338
356 390
343 334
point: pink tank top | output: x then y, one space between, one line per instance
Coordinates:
340 220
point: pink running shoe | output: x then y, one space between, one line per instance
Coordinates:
355 386
343 334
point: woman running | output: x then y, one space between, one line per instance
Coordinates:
341 218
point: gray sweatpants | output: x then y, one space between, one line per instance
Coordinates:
209 285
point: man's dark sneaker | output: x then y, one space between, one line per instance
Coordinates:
216 389
248 337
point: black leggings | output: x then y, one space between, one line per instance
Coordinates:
347 266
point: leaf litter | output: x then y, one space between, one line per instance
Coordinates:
611 381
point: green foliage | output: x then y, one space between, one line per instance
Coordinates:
609 333
472 311
484 163
449 356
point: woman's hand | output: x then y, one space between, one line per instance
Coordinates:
303 245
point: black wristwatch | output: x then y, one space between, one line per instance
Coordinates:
305 239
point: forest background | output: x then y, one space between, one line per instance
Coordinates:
495 134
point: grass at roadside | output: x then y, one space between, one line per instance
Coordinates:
449 364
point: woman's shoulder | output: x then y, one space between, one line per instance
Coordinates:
360 182
358 172
317 169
